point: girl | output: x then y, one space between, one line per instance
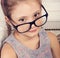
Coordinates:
29 39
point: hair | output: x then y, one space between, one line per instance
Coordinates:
7 5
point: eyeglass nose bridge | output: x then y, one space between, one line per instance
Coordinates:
32 23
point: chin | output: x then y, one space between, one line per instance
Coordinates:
31 35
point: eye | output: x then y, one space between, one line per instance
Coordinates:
37 14
21 19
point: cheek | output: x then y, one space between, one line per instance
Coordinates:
24 28
39 22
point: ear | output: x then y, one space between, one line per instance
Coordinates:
7 20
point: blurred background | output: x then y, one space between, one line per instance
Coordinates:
53 24
53 9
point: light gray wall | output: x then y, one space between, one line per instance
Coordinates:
53 8
3 27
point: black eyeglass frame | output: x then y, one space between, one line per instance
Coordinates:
33 22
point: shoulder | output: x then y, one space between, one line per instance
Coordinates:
53 38
7 51
54 44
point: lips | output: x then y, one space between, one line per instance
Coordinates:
33 30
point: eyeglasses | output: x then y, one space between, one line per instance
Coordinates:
38 22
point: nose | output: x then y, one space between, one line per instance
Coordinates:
31 19
33 26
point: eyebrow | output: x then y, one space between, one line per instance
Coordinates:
37 11
26 16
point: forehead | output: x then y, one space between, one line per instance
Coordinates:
24 9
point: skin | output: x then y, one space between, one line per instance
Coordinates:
28 38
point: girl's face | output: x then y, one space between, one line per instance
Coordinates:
26 12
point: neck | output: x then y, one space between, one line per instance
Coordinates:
31 42
24 38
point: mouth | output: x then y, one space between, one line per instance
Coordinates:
33 30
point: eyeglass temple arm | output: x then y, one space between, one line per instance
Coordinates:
44 9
